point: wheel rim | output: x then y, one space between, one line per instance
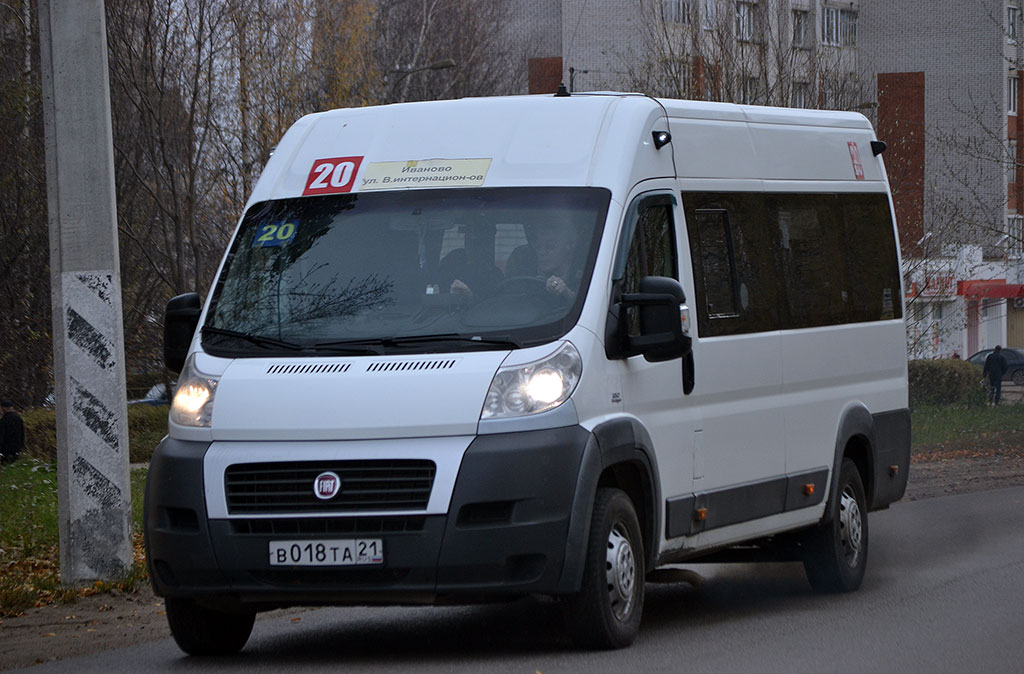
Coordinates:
851 526
621 571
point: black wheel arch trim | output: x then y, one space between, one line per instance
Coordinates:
856 421
887 435
618 441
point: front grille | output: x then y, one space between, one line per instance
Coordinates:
339 578
310 526
365 486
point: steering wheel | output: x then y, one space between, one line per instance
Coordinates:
523 285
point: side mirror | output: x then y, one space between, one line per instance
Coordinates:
180 321
663 322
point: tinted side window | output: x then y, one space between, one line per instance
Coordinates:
784 261
731 243
718 263
810 259
872 266
652 248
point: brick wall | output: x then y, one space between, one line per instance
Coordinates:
545 75
901 124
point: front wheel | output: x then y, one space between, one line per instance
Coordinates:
606 612
204 631
836 553
1018 377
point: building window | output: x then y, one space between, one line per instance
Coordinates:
744 21
1011 95
708 13
1015 234
801 95
800 23
710 85
1012 19
677 76
1011 163
838 27
751 91
675 11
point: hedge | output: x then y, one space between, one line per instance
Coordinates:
147 424
945 382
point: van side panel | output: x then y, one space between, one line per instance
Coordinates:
826 368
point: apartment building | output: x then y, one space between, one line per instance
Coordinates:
950 115
940 81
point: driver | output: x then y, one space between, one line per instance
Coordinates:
549 256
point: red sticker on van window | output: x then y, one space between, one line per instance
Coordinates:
858 168
332 176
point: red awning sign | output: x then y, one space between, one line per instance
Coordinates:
992 289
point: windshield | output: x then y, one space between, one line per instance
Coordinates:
398 271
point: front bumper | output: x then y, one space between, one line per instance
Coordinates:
505 532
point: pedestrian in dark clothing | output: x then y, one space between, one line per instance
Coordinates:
12 433
995 368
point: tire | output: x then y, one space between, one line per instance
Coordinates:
204 631
606 612
836 553
1018 377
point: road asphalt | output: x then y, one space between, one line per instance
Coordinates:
942 594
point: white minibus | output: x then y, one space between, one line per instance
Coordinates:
483 349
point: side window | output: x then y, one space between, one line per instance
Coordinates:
731 246
717 263
874 288
765 261
811 259
652 247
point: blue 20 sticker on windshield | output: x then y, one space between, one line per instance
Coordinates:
273 234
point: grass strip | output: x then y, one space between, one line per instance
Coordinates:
942 428
29 549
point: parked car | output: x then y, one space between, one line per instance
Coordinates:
154 396
1014 360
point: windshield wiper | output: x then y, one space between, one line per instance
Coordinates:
423 339
259 340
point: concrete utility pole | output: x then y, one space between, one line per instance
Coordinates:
88 334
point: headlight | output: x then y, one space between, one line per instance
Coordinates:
193 400
536 387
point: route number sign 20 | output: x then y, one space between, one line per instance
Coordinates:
334 175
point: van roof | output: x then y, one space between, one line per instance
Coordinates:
599 138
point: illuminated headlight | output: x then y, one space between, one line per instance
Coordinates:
536 387
193 400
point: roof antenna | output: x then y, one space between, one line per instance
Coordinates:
562 91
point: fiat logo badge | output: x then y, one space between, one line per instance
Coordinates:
326 485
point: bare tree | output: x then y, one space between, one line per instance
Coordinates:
763 53
164 58
25 354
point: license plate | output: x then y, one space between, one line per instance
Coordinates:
344 552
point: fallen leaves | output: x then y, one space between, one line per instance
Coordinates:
33 580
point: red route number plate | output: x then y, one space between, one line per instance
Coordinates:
334 175
344 552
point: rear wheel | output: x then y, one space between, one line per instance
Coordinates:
836 553
204 631
606 612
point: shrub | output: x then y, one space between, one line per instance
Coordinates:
945 382
146 425
139 384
